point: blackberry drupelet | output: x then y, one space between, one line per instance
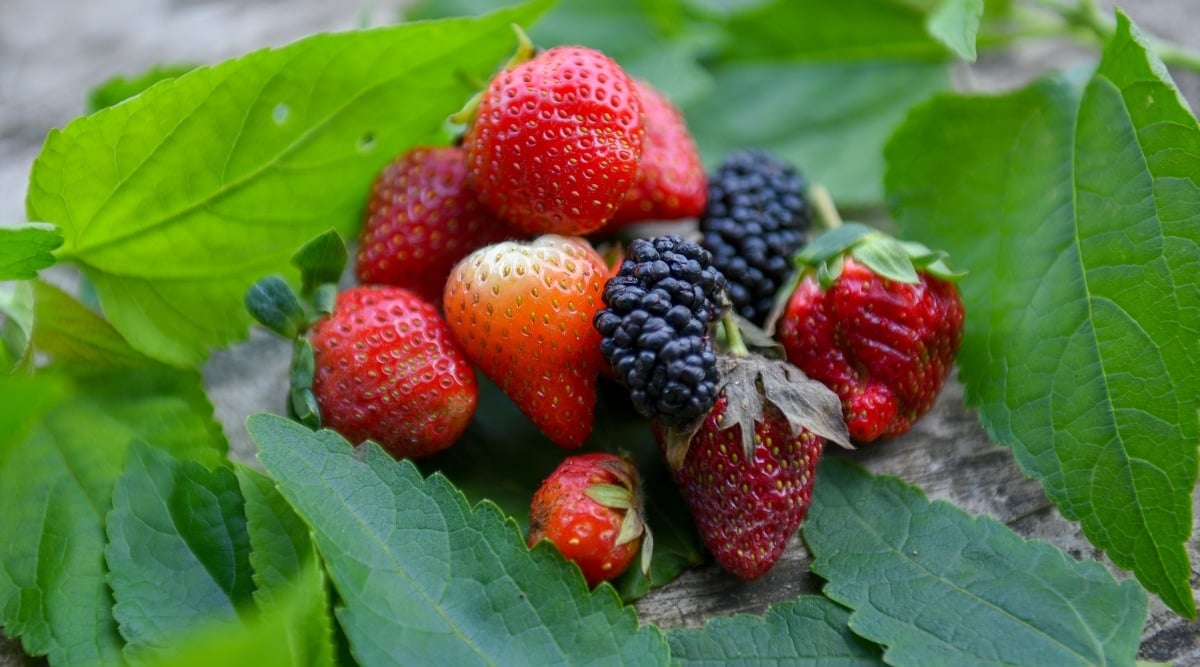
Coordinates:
756 219
655 328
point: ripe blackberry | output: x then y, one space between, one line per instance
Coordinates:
756 219
655 328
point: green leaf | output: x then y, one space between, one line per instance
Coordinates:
266 640
1079 223
287 572
120 88
426 577
56 489
321 260
174 202
25 400
830 120
27 249
808 630
16 328
178 551
936 586
70 333
275 305
955 23
833 31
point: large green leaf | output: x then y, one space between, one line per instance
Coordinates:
174 202
26 250
938 587
56 483
810 630
831 120
834 31
425 577
178 550
1077 213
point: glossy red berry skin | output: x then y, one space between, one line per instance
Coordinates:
556 142
884 347
421 218
583 529
388 370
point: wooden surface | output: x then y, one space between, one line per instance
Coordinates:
52 52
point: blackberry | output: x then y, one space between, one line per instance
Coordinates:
655 328
756 219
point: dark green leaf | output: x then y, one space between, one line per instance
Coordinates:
938 587
810 630
426 577
56 489
70 333
275 638
1079 223
321 260
178 551
830 120
174 202
276 306
26 250
287 572
120 88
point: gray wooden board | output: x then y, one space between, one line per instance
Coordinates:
51 53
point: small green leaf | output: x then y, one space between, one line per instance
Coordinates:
174 202
834 242
120 88
288 574
887 258
1079 221
276 306
807 630
321 260
27 249
610 495
425 577
955 23
178 550
16 328
935 586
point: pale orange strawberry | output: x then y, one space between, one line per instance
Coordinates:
522 311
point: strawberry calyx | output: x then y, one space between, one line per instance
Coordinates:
757 384
524 52
885 255
626 496
273 303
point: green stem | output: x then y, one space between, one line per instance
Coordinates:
1086 15
827 213
733 334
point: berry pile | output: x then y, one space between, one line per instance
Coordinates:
489 257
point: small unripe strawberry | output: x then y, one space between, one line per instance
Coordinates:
590 508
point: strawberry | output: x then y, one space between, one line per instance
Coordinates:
421 218
878 321
747 469
590 507
556 140
671 182
523 312
388 369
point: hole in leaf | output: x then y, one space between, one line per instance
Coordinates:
366 143
280 113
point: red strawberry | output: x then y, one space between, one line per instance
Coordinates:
671 182
879 322
523 312
746 471
388 369
556 141
422 218
590 507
